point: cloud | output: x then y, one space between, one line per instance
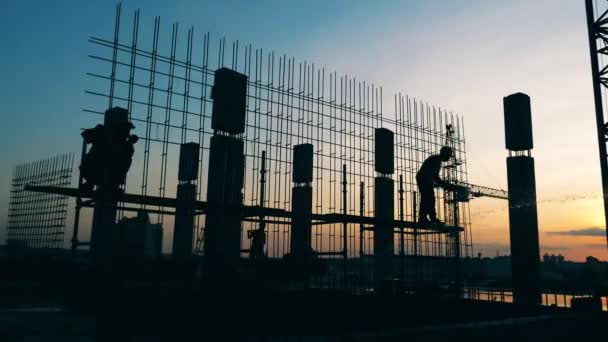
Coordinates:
593 231
553 248
595 245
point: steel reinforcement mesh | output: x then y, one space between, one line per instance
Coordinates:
165 82
35 219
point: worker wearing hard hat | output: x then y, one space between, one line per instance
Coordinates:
427 179
111 152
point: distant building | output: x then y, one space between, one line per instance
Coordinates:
139 238
499 267
591 260
553 260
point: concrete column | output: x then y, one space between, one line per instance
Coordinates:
383 209
523 230
301 202
523 221
301 224
383 230
103 226
183 231
222 246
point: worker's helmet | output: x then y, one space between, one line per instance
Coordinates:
445 153
118 117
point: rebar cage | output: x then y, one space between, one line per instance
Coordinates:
37 220
166 86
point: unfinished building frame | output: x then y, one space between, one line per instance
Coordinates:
37 220
166 85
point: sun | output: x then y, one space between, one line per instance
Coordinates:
597 218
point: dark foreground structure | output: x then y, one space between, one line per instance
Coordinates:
150 302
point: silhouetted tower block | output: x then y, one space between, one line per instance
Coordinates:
186 196
383 208
301 203
523 220
222 245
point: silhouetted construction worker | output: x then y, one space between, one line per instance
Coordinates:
428 178
90 167
124 157
258 240
111 153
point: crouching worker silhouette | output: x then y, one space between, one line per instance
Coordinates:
111 153
428 178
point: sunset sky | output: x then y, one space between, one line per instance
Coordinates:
463 55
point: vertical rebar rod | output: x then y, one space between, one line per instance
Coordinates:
401 229
262 196
42 227
114 54
11 205
167 122
78 207
20 197
133 53
201 137
150 110
344 223
187 83
415 211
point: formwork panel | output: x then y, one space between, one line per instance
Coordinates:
518 122
302 163
188 162
229 100
384 151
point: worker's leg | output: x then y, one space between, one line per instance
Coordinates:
87 170
427 200
431 205
421 210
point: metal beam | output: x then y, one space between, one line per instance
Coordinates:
246 211
592 28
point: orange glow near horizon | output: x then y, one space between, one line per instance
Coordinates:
560 214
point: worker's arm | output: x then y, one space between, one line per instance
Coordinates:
437 180
90 134
133 139
442 184
436 169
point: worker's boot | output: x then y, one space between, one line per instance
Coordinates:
86 187
437 223
423 221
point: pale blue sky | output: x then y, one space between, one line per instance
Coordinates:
461 55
